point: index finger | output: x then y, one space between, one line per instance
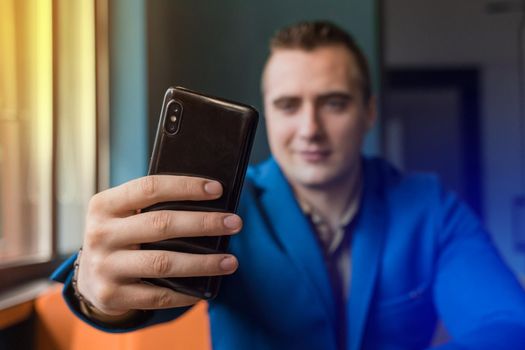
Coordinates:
148 190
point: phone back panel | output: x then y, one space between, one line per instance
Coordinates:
213 141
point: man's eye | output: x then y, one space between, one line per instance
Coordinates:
287 106
336 105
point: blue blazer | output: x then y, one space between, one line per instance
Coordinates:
418 254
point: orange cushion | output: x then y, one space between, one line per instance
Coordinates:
59 329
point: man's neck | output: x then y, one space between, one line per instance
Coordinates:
332 201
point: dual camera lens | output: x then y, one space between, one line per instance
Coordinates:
173 117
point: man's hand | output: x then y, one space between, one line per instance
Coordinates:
112 264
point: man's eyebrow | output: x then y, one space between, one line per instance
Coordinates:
289 98
335 94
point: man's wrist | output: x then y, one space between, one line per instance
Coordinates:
90 311
95 314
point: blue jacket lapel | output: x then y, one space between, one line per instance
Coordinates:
367 246
293 231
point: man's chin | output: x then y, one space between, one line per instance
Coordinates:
316 176
319 179
314 181
313 176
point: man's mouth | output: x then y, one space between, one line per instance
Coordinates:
314 156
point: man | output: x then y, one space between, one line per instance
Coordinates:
336 251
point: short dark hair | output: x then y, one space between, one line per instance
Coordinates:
309 35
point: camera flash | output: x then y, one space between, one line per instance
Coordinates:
173 118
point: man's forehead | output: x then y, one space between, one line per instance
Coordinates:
296 71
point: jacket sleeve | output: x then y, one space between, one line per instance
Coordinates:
476 295
64 274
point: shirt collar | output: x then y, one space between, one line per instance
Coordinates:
321 225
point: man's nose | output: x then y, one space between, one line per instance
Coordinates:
311 125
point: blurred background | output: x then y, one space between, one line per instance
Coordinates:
81 84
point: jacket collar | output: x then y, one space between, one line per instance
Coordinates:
366 247
293 231
296 236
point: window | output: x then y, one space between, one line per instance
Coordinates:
53 76
26 130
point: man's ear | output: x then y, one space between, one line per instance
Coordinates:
371 112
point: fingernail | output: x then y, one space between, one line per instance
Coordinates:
228 263
232 222
213 187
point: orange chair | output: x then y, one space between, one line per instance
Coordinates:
59 329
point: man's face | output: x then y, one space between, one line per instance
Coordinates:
316 115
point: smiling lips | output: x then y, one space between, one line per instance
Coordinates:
314 156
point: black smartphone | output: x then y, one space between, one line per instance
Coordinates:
208 137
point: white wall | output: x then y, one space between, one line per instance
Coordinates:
459 33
